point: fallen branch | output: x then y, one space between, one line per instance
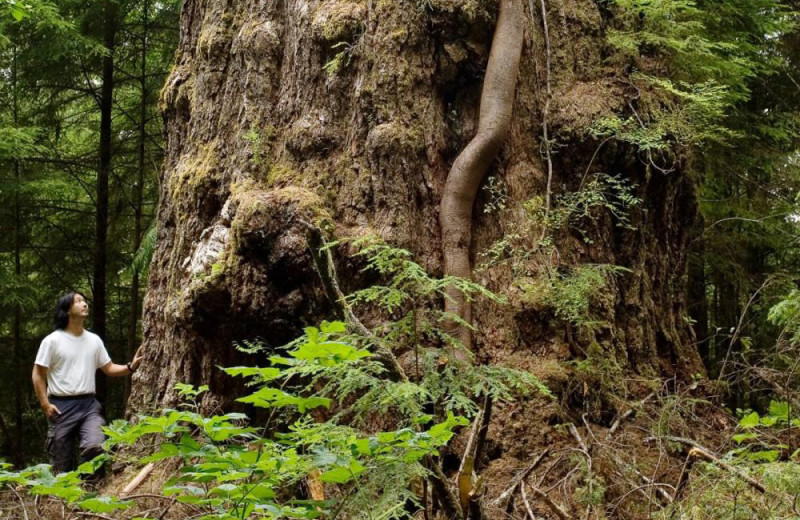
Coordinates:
519 479
702 453
557 509
137 480
93 515
585 450
527 504
21 502
684 478
699 451
630 412
465 481
439 482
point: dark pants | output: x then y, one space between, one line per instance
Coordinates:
79 417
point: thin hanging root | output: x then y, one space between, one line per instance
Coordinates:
469 168
546 116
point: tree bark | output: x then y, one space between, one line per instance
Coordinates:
271 124
697 300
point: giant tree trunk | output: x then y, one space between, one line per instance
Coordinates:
272 123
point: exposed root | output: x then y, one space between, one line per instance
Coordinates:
469 168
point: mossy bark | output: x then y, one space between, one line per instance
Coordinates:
263 140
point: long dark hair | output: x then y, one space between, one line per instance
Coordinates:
63 305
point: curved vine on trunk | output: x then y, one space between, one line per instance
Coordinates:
469 168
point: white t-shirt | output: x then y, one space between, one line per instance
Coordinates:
71 362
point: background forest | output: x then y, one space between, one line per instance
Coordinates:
81 147
711 94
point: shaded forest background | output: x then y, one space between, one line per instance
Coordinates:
81 149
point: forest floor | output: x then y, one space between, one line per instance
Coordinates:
633 466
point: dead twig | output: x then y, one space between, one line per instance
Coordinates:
684 478
518 479
555 508
527 504
585 450
630 412
167 508
21 502
702 453
94 515
147 495
699 451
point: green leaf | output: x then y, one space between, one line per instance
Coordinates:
763 456
749 421
779 410
343 474
266 374
741 437
338 475
103 504
334 327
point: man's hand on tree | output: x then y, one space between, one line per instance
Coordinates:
137 359
50 409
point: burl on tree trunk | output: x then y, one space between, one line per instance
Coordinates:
352 116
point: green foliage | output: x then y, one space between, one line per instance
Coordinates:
341 59
711 52
144 255
760 453
786 314
681 113
409 282
232 470
568 291
320 390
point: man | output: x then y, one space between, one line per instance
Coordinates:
64 381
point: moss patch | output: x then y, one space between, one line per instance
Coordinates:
197 171
262 216
394 138
336 21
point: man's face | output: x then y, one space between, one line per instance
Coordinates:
79 309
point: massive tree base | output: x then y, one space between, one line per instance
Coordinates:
347 116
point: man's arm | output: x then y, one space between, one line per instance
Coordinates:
111 369
39 377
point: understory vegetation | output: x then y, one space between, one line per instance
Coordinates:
380 413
